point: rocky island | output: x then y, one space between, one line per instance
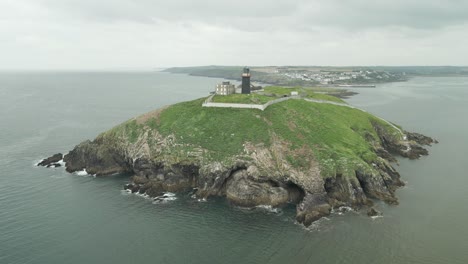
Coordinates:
317 156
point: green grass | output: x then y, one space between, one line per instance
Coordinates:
219 130
334 134
242 98
274 92
312 93
129 130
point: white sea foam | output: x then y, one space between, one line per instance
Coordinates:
341 210
268 208
82 173
61 162
345 208
126 192
166 197
318 225
143 195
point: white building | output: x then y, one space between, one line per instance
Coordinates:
225 88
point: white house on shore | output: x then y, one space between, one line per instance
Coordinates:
225 88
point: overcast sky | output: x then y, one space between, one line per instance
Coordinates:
113 34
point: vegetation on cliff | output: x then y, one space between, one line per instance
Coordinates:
313 154
340 139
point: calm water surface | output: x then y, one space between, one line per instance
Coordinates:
49 216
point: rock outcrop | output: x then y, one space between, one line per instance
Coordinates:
372 212
52 161
274 175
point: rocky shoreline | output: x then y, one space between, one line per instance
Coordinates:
243 182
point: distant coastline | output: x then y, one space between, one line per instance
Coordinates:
319 76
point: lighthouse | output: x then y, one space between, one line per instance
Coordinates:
246 81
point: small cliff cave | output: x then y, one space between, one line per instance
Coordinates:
296 193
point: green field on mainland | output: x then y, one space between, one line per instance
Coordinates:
339 138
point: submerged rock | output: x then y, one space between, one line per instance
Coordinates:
372 212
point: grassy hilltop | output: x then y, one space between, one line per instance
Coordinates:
339 138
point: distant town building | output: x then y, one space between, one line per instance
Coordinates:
225 88
246 81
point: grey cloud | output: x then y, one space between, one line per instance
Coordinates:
146 33
366 13
267 14
173 10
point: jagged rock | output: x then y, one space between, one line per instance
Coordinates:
51 161
244 191
243 183
374 186
410 148
345 191
415 152
312 208
153 188
177 182
97 157
132 187
211 179
420 139
381 152
372 212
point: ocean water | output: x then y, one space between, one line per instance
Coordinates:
50 216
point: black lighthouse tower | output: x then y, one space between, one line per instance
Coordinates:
246 81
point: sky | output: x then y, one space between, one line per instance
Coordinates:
146 34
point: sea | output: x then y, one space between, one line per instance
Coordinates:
50 216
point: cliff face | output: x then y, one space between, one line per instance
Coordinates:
293 152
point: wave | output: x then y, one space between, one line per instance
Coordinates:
36 162
143 195
61 162
376 216
166 197
84 173
342 210
269 208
